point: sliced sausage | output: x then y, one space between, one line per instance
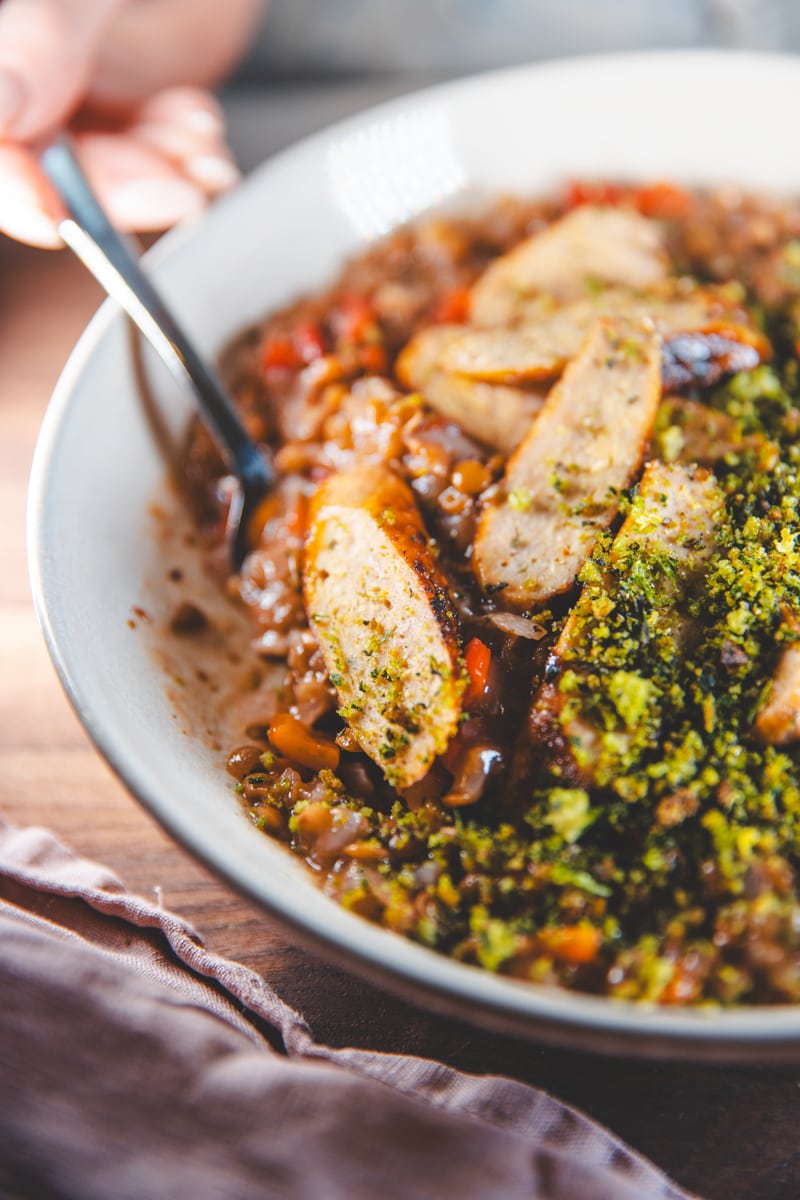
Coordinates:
540 349
588 246
384 620
676 512
699 347
562 485
690 432
778 720
675 515
497 416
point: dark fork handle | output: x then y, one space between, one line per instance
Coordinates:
110 258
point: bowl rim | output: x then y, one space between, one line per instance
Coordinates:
758 1034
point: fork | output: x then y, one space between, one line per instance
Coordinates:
113 262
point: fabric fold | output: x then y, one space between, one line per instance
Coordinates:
135 1064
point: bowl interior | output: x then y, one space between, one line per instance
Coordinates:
694 118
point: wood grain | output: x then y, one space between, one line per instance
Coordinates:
725 1133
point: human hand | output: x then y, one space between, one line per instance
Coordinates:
128 78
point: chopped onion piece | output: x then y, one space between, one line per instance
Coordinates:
518 626
476 766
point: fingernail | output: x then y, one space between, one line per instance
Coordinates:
29 224
212 172
152 204
12 95
200 120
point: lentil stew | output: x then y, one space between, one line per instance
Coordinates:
532 578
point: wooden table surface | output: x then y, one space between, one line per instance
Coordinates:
725 1133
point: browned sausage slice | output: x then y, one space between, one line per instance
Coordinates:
778 719
562 485
384 620
586 247
675 513
674 516
690 432
497 416
540 349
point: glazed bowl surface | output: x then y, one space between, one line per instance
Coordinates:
692 118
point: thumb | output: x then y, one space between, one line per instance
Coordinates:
47 53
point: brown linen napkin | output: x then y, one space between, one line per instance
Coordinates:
135 1066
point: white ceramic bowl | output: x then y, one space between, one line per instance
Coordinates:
698 118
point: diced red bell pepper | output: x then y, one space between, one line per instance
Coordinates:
477 660
585 191
356 316
372 358
453 307
663 200
309 342
279 353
